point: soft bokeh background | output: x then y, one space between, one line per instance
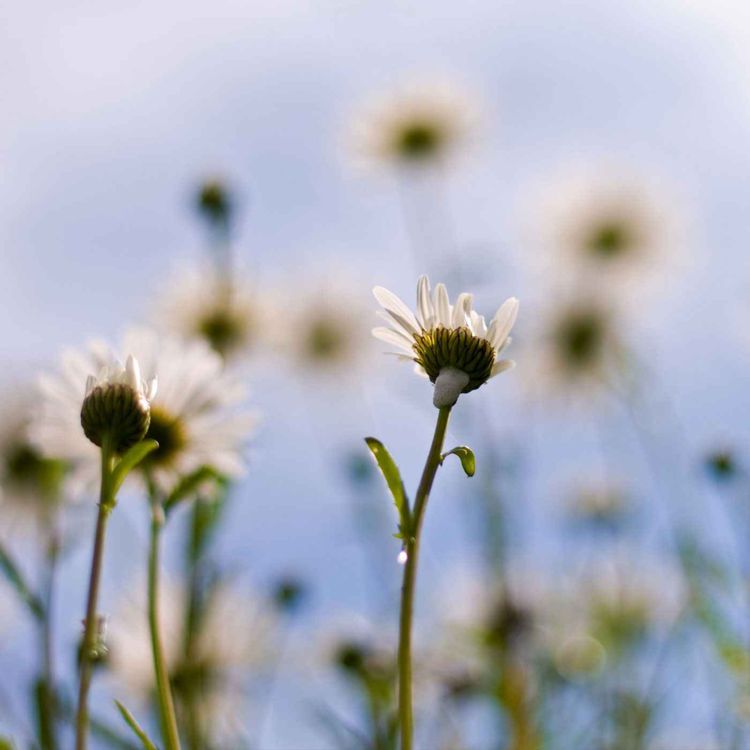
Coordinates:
112 115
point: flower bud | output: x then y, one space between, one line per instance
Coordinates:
117 405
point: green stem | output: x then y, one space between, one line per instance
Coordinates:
410 576
166 705
47 685
106 504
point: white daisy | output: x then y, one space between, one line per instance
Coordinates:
228 315
194 415
234 644
577 348
323 328
415 125
607 226
30 483
450 344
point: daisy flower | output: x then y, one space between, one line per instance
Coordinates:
415 125
194 414
451 344
325 325
608 226
225 314
30 483
234 640
577 347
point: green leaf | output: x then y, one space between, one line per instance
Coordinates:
133 724
132 457
393 479
466 456
15 578
190 485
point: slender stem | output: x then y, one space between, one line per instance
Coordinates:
47 683
410 576
106 503
164 693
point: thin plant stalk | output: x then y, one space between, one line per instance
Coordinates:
106 504
164 693
411 547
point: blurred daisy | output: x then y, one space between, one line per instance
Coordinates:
598 502
415 125
576 347
605 226
194 416
234 641
451 344
323 326
30 484
199 305
626 598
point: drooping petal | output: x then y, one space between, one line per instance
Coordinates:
501 366
397 322
392 337
393 304
425 308
503 322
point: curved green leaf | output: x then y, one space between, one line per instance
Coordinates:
466 456
135 726
392 477
132 457
190 485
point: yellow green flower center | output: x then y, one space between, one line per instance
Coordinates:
325 340
580 338
418 140
458 348
609 240
169 432
25 467
223 330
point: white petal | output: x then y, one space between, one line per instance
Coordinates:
461 311
425 308
152 388
397 322
394 305
392 337
133 374
501 366
502 323
90 384
442 306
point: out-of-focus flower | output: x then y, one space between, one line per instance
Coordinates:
416 125
597 502
227 314
233 644
627 598
194 415
214 201
450 344
30 483
605 226
321 326
721 464
576 347
117 405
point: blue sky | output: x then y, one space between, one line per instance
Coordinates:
111 114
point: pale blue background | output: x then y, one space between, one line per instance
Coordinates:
110 114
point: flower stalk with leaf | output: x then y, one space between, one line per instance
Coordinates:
452 346
115 416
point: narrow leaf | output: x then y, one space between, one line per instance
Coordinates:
393 479
15 578
190 485
466 456
129 461
133 724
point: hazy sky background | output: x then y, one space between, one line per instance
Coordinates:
111 114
